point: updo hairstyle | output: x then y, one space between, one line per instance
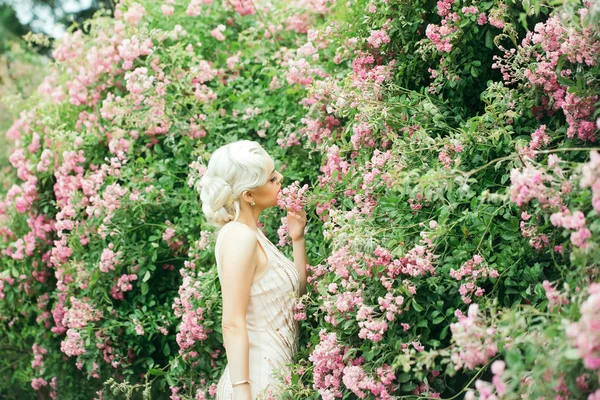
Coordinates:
232 169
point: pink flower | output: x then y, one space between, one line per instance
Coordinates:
134 14
73 345
555 298
217 33
37 383
470 10
167 10
378 37
474 341
585 334
293 197
444 7
191 329
328 365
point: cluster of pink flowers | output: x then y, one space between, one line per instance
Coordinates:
482 19
444 7
391 305
485 389
292 197
444 155
330 371
473 269
528 184
132 48
138 83
167 10
217 33
418 203
316 130
591 178
440 36
300 71
555 298
38 354
538 138
243 7
370 328
80 313
168 236
203 93
529 230
73 345
473 339
367 76
470 10
109 259
334 164
283 233
418 261
378 37
550 42
362 135
191 330
193 9
496 16
339 305
123 285
576 221
328 365
372 169
134 14
585 333
299 312
361 384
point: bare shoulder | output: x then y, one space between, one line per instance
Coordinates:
239 237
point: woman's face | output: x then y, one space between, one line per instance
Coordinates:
266 195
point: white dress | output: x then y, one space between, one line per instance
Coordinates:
272 330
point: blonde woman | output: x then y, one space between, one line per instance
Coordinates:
259 284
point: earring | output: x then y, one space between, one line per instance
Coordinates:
253 203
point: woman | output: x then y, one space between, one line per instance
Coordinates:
259 284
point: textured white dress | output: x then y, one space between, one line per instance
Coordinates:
272 330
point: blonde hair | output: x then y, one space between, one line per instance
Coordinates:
232 169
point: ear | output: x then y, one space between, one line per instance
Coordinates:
247 196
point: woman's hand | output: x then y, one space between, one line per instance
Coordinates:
296 222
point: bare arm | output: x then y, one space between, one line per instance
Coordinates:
239 264
300 260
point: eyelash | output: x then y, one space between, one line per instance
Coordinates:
273 179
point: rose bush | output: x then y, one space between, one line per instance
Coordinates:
450 155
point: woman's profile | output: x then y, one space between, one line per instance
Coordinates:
259 284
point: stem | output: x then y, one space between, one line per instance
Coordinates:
488 225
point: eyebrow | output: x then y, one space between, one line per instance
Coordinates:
272 172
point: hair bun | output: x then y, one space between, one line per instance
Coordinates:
217 198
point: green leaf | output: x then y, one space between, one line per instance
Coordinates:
146 276
416 306
489 41
154 371
409 387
